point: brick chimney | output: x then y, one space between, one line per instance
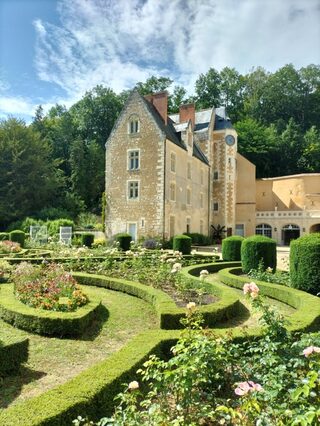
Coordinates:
160 102
186 113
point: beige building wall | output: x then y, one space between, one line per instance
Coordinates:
245 197
145 214
190 174
290 205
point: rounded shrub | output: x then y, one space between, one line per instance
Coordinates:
305 263
87 240
124 241
4 236
17 236
258 249
231 248
182 243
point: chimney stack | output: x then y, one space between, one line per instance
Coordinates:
186 113
160 102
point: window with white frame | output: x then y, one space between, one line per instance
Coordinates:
189 170
215 206
201 200
188 196
134 125
264 229
173 162
172 191
133 190
133 159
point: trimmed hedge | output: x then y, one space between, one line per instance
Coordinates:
305 263
124 241
87 239
182 243
168 313
4 236
256 249
231 248
307 315
199 239
47 323
13 353
18 237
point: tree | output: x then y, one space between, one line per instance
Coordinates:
177 98
28 177
310 159
207 88
231 92
153 85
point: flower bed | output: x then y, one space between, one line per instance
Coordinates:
9 247
47 287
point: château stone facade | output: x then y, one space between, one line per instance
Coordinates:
166 175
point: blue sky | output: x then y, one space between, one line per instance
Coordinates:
52 51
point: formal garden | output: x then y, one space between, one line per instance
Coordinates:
121 333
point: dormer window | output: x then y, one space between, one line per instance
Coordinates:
133 125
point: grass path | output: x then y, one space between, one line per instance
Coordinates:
53 361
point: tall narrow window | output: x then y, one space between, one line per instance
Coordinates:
188 196
201 200
201 226
188 228
133 160
133 125
215 206
215 175
173 162
172 191
133 190
189 170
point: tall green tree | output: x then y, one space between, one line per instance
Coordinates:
310 159
28 177
208 89
231 92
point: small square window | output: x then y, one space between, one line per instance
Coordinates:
215 207
215 175
133 190
134 160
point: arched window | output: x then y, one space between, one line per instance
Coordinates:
264 229
133 124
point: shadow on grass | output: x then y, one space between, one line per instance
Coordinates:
242 317
11 385
95 327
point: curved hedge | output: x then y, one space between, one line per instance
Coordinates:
307 315
18 237
256 249
47 323
231 248
168 313
13 352
305 263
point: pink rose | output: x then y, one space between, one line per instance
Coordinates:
246 387
252 289
311 349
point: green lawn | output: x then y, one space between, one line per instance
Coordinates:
53 361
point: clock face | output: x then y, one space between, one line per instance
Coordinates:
230 140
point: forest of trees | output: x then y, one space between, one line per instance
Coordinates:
54 167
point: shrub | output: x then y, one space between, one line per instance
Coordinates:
13 353
4 236
150 244
231 248
305 263
7 247
198 239
182 243
54 225
87 239
124 241
258 249
99 242
18 236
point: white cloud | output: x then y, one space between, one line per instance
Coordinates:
15 105
119 42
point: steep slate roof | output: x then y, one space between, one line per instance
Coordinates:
168 129
199 154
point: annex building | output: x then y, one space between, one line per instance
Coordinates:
169 174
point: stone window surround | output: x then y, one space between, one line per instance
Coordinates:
188 224
129 159
188 196
172 191
133 125
129 181
173 162
215 206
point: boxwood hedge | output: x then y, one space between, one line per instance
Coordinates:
231 248
13 352
48 323
258 249
305 263
182 243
